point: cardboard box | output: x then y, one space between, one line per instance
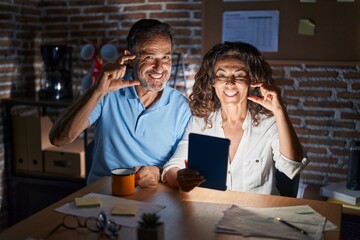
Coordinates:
68 160
30 137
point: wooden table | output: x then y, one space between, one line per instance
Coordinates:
186 216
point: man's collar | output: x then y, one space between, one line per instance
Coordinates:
130 92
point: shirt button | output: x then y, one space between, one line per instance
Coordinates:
229 172
257 161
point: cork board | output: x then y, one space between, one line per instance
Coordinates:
336 36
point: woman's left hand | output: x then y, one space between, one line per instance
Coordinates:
271 99
188 179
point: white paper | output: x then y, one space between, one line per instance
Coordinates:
257 222
107 203
259 28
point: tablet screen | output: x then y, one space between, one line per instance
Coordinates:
209 156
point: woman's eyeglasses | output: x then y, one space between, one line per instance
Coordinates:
94 224
226 79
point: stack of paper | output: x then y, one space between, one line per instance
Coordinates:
341 193
260 222
87 202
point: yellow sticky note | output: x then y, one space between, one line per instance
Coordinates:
124 210
306 27
87 202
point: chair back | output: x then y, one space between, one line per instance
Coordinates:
178 76
89 157
286 186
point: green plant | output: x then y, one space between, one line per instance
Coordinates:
149 220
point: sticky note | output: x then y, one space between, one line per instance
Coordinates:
87 202
306 27
124 210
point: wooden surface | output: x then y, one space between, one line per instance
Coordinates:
186 216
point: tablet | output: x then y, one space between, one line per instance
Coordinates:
209 156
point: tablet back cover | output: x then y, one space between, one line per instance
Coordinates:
209 156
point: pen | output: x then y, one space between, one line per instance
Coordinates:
290 225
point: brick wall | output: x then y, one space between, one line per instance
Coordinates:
324 105
323 98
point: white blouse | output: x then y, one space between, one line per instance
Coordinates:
255 160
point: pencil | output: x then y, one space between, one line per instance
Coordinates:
290 225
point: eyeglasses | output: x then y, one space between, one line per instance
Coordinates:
94 224
226 79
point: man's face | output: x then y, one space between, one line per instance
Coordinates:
152 66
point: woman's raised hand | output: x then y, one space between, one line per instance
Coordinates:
271 99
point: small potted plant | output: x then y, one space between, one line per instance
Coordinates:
150 228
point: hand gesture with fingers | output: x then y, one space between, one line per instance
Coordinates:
271 99
188 179
111 75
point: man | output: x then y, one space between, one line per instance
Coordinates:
139 122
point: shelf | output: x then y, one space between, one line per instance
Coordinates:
27 190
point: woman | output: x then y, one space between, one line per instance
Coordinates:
235 97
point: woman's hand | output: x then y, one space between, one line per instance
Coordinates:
271 99
188 179
290 146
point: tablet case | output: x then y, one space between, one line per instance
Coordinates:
209 156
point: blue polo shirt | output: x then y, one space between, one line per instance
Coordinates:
127 135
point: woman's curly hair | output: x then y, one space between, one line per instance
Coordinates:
203 99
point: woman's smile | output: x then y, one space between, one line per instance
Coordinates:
231 93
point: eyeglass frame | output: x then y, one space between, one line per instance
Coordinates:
232 78
108 226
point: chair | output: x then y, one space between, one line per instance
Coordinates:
178 78
89 157
286 186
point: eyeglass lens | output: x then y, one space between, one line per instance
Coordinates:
91 224
94 224
71 222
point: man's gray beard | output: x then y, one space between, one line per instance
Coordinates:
147 86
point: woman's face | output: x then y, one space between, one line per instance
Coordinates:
231 81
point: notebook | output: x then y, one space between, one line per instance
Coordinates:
340 192
209 156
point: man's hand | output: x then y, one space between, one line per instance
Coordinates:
110 78
147 176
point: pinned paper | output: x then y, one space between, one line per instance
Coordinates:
306 27
124 210
87 202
